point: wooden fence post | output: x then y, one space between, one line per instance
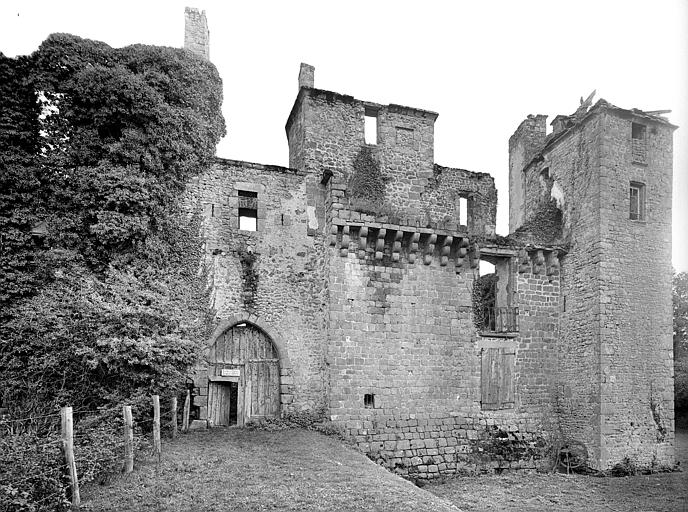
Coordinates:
187 410
68 447
128 440
156 425
173 411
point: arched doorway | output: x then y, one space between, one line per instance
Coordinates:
243 377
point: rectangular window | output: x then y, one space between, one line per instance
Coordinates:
494 293
463 210
497 383
370 126
637 201
369 401
248 210
638 131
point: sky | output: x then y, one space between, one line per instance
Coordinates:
482 65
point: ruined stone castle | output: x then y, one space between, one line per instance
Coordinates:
349 284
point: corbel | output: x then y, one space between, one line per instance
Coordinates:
429 249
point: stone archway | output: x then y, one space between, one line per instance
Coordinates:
243 375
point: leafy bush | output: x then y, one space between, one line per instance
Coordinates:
308 419
484 293
99 446
680 300
32 476
681 383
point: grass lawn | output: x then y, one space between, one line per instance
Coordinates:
532 492
241 470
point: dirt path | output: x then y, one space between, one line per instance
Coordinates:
240 470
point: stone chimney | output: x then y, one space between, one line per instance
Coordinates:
196 34
306 76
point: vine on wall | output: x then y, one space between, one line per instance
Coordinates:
366 187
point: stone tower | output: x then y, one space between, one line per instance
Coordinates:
608 173
523 146
196 34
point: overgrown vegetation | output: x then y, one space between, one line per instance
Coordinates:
366 188
680 299
102 299
484 296
309 420
249 278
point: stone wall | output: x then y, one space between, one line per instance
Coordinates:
636 356
290 289
326 134
404 361
527 140
440 199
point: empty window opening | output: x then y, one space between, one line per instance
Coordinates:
370 126
369 401
494 310
486 268
638 131
212 210
637 201
463 210
248 210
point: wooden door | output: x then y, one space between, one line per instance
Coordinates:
219 404
261 398
248 349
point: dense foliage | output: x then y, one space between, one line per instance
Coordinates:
31 474
19 178
484 296
103 300
680 296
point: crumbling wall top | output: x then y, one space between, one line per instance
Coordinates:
196 33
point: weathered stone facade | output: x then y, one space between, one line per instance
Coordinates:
614 382
361 263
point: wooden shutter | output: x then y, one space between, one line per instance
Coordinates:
497 381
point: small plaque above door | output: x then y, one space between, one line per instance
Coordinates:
230 372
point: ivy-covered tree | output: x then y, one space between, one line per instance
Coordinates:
680 299
107 299
20 198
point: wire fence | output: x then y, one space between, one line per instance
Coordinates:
19 444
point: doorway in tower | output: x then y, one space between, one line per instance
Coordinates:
243 377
